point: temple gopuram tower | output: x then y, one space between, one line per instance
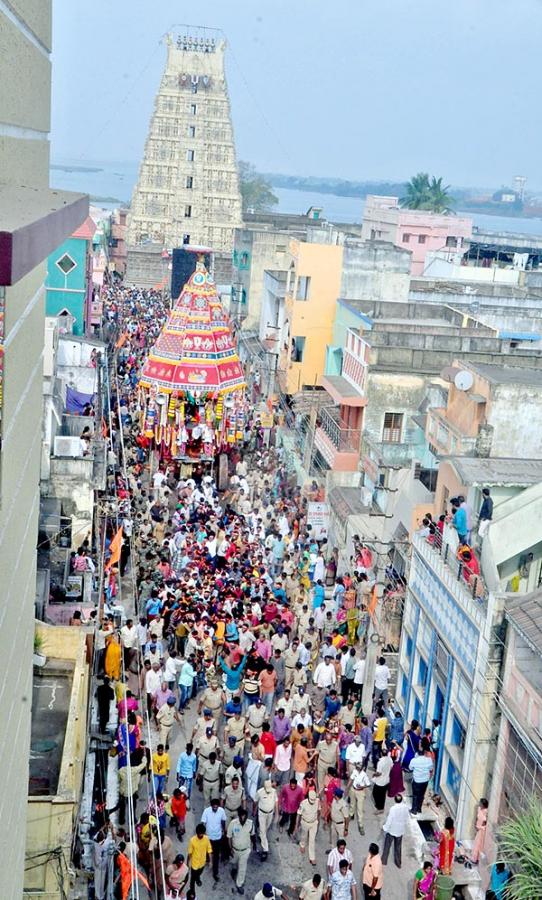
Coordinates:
187 191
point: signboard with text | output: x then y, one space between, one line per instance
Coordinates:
318 519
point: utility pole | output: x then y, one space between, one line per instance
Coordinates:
371 656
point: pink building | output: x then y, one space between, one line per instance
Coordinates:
416 230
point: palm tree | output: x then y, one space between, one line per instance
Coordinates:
423 192
521 849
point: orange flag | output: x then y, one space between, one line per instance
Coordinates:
121 341
371 608
114 549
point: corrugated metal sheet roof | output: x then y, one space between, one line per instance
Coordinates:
524 612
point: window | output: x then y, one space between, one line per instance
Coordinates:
409 646
191 131
458 734
451 242
406 238
393 425
189 182
422 238
453 779
186 238
193 109
303 287
298 347
66 264
187 211
422 672
190 155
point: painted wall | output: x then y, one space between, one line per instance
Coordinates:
68 291
419 231
312 319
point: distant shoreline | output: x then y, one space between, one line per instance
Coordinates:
60 168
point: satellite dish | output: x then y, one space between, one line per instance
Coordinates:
464 380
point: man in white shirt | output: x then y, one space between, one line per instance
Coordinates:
359 675
339 852
129 641
211 546
394 828
355 753
325 675
358 785
422 769
172 668
382 678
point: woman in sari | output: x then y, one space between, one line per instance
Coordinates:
331 781
481 827
113 658
128 735
447 846
424 882
396 785
411 744
331 568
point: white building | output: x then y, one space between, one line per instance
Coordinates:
33 221
451 645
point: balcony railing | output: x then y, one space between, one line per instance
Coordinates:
443 558
345 440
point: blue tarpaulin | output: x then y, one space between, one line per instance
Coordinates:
76 401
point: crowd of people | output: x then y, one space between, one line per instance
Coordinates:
244 645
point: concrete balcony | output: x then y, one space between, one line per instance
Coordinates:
449 571
338 445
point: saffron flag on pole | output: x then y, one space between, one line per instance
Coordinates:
114 549
373 601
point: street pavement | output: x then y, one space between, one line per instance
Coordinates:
285 865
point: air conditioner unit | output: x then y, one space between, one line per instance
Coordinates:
67 446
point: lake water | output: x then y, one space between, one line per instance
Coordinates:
117 179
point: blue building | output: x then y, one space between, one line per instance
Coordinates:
447 672
69 278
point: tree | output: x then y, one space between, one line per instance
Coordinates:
256 191
423 192
521 848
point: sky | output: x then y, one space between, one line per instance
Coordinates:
356 89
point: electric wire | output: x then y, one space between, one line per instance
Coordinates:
145 712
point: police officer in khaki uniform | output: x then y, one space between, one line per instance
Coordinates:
234 796
240 834
307 821
267 805
291 656
339 816
257 714
210 772
206 744
236 727
213 698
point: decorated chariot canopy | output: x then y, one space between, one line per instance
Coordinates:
196 350
192 383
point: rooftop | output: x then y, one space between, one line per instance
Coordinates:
525 614
51 692
346 501
508 374
479 471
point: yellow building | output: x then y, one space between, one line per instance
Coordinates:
313 287
58 746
